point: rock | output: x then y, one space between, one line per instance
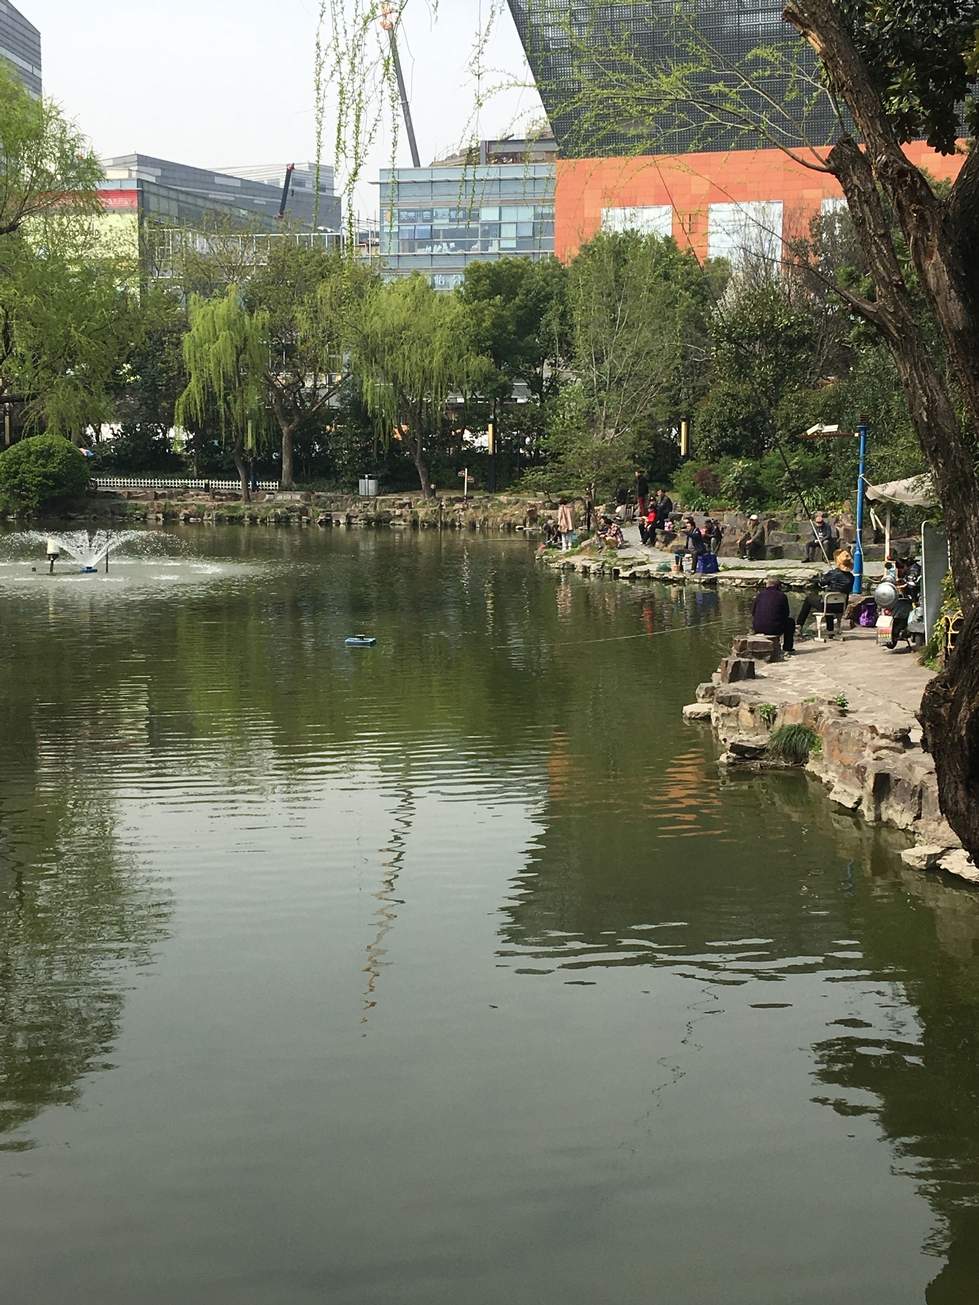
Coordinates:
726 697
749 749
924 856
958 862
734 669
847 798
762 647
706 692
697 711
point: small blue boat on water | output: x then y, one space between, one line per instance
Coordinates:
360 641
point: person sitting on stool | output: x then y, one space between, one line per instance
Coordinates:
837 581
770 614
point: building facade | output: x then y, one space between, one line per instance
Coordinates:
179 193
495 202
20 45
302 193
718 189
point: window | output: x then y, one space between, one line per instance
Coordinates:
653 220
830 206
742 231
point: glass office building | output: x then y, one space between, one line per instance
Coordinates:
589 55
20 45
496 202
182 192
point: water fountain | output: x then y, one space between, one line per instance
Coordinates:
142 561
89 548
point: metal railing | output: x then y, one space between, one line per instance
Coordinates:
174 482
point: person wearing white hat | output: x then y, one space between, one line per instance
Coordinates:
752 543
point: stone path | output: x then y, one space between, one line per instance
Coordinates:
634 562
880 686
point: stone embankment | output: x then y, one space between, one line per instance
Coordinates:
859 702
486 512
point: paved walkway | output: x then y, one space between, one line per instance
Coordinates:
634 554
879 686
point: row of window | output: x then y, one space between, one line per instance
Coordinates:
486 213
472 245
424 231
515 190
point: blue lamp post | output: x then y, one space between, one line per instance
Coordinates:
858 542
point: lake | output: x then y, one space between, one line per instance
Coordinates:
452 969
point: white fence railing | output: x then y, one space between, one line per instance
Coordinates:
174 482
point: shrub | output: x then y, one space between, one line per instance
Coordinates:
768 712
695 486
40 472
707 480
793 744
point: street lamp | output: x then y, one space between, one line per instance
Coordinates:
819 431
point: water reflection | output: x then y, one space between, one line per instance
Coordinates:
463 946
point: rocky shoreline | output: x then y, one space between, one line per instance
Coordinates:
503 513
858 706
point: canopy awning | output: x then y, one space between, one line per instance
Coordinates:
916 491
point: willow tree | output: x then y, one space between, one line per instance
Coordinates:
410 352
225 355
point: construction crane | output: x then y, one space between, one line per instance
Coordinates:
286 186
388 24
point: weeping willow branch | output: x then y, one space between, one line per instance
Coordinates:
225 355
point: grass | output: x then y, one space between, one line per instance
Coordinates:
793 744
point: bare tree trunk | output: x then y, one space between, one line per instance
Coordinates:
421 467
950 718
286 479
242 467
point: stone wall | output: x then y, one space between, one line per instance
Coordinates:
498 513
878 771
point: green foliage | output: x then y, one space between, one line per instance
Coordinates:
690 489
792 744
768 713
843 702
46 165
638 311
68 322
140 448
410 351
153 375
922 59
225 354
517 317
42 472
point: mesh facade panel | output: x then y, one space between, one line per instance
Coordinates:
20 45
592 61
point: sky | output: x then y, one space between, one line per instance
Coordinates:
224 82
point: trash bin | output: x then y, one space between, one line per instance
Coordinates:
368 487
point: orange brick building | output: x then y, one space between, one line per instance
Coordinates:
704 200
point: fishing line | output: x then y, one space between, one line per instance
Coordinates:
618 638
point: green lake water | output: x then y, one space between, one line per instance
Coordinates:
452 970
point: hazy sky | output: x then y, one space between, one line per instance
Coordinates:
221 82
